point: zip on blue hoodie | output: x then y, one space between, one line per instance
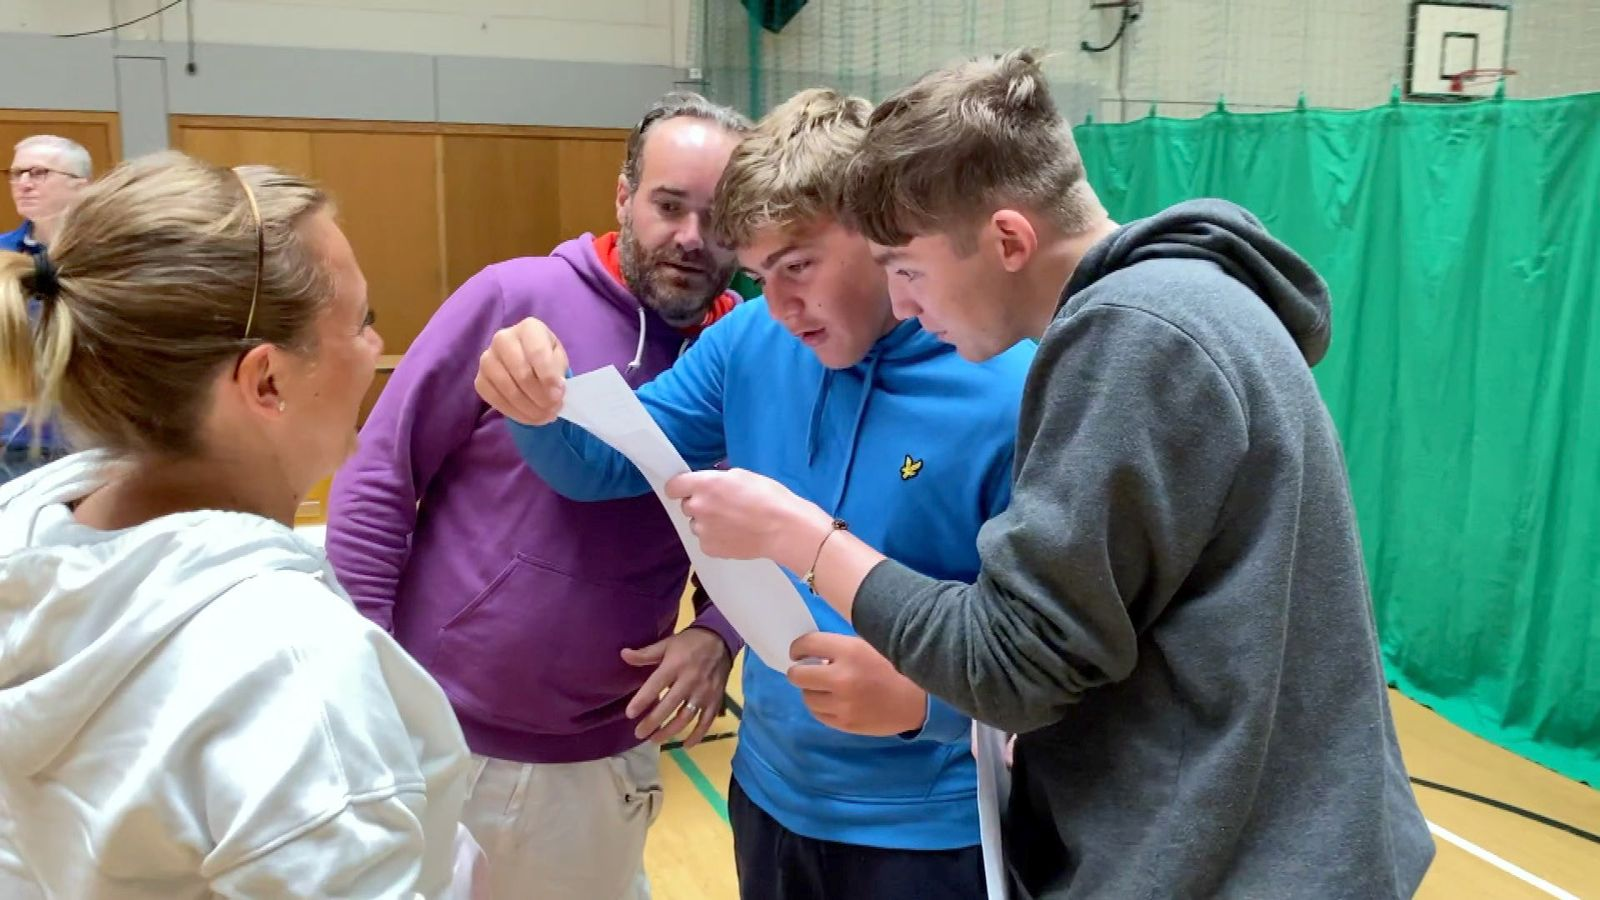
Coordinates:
913 448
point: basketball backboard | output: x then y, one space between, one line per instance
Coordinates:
1448 39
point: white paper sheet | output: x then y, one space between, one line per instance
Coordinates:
994 787
759 601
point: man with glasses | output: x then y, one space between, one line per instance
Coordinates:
45 174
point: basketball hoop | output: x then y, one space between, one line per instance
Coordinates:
1460 80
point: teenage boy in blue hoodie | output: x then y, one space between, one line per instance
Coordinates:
848 781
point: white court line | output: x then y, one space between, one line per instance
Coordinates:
1501 864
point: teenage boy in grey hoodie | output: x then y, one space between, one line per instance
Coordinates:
1173 611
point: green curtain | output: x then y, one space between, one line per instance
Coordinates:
1462 246
745 286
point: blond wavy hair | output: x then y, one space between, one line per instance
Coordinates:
790 170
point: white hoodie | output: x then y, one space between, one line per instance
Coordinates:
192 707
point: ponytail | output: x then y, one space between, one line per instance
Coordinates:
35 347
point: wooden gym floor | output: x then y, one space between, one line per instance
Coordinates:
1484 852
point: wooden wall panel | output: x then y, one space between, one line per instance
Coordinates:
98 132
520 196
427 206
287 150
589 172
385 186
371 399
501 201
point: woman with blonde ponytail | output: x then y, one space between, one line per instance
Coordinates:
189 704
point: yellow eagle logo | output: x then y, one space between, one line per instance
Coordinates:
910 469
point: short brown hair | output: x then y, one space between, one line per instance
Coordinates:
676 105
155 269
791 168
962 141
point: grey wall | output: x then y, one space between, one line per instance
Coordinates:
239 80
59 74
145 81
142 98
546 92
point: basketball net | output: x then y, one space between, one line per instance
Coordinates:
1460 80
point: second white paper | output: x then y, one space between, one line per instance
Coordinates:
759 601
994 788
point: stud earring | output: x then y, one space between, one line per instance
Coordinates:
280 406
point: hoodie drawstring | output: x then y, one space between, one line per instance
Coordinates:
814 436
855 431
813 431
638 353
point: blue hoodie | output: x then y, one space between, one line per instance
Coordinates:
912 447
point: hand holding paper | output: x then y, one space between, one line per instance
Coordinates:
523 374
854 688
755 596
740 514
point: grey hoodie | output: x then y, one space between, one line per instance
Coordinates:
1174 612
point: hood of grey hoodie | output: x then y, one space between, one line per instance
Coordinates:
1225 234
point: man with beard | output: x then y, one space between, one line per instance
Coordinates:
550 623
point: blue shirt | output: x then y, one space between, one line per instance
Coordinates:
12 432
913 448
19 240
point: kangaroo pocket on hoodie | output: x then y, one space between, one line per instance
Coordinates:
539 649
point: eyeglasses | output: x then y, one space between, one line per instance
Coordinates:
36 173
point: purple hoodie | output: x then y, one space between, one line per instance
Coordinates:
518 601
